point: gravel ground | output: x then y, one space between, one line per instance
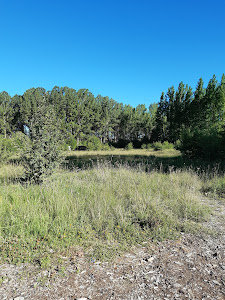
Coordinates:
191 268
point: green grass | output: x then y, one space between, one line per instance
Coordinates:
215 187
103 210
124 152
10 172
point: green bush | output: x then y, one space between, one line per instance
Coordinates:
162 146
106 147
143 146
129 146
6 147
206 144
157 146
167 145
11 145
72 142
93 143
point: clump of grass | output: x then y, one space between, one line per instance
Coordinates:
104 210
125 152
10 172
215 187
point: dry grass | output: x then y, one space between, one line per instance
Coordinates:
118 152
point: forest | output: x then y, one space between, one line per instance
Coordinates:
193 120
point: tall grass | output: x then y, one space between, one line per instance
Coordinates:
104 210
132 152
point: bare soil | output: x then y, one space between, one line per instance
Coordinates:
192 267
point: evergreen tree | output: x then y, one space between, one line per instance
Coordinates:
159 133
42 153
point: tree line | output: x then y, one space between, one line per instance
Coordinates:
80 116
193 120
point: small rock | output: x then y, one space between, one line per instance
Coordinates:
216 282
150 259
189 254
177 285
178 263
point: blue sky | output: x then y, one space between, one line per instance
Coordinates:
130 50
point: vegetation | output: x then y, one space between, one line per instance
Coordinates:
132 186
192 120
104 210
42 151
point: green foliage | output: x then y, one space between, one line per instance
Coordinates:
93 143
6 114
42 154
177 145
106 147
129 146
208 144
10 146
83 119
72 142
157 146
143 146
162 146
167 145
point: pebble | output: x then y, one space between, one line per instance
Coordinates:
177 285
150 259
216 282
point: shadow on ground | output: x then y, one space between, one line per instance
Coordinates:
147 163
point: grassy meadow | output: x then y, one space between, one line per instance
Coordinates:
104 208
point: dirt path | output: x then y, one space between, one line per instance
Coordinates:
190 268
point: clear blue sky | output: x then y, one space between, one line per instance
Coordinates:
129 50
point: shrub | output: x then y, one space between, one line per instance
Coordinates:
207 144
157 146
42 154
72 142
143 146
6 147
106 147
129 146
162 146
167 145
11 145
93 143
